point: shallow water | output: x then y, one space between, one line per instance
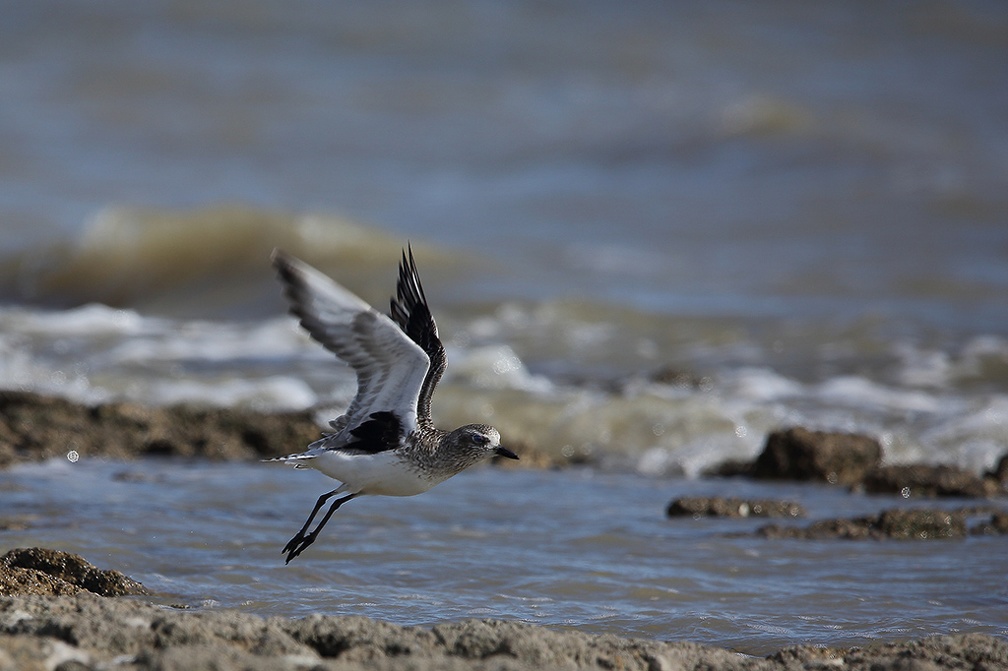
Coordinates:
501 543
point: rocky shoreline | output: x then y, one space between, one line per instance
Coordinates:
35 427
45 627
57 611
855 461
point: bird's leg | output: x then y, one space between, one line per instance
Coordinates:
302 540
300 534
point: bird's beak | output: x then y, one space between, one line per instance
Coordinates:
505 452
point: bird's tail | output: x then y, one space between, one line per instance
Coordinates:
296 460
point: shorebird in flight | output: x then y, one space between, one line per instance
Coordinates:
385 443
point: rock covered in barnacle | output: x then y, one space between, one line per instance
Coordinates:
928 480
897 524
719 506
52 572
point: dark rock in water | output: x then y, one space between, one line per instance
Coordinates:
799 454
997 525
16 523
855 460
17 580
730 468
676 377
34 427
52 572
999 476
921 524
898 524
926 480
1000 471
702 506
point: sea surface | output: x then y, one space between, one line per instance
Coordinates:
650 233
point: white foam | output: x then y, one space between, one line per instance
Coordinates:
94 354
270 393
759 384
212 342
974 438
495 367
858 392
88 320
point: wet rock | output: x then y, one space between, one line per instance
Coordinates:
702 506
16 522
730 468
1000 472
43 571
926 480
677 377
998 478
35 428
854 460
897 524
996 525
821 530
921 524
800 454
31 581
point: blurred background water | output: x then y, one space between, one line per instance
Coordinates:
803 207
724 158
650 232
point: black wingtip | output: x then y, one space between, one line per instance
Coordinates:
282 262
411 275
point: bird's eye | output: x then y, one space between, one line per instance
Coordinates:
478 439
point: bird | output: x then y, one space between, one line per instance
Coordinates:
386 442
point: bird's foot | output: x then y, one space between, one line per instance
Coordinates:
296 545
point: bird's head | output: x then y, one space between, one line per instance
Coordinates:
483 441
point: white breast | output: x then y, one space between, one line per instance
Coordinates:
383 473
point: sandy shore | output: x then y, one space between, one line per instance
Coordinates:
86 631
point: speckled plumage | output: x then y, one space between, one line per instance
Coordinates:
385 443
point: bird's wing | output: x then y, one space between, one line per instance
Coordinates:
410 311
391 367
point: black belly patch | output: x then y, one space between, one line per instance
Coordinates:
380 433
